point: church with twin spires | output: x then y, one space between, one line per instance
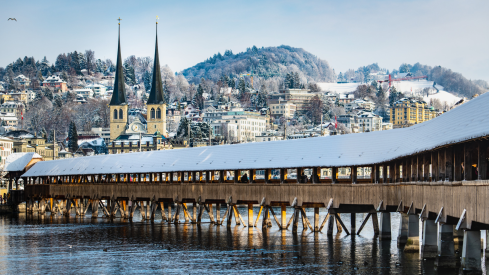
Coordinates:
135 136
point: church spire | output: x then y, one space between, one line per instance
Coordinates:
156 96
119 94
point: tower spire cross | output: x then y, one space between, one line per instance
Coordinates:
119 20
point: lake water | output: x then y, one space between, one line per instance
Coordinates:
38 244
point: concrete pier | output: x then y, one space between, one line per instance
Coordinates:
429 246
471 252
412 244
446 250
385 226
403 229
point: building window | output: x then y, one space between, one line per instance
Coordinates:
158 113
121 114
115 114
152 113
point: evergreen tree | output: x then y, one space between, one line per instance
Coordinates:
64 76
129 76
48 94
296 81
82 61
75 62
70 96
39 77
289 81
241 87
232 83
147 81
182 130
73 138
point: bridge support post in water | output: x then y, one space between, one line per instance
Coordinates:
403 229
412 244
446 250
458 237
94 209
471 252
353 222
385 226
42 206
330 225
429 246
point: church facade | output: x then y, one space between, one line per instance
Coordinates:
136 136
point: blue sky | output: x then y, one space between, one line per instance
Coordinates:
348 34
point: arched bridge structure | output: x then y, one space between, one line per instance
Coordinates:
434 172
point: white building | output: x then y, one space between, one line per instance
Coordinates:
239 129
85 93
283 109
359 103
6 145
98 90
263 138
368 122
9 119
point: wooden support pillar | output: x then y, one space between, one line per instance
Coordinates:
482 160
334 172
353 222
237 176
426 166
419 167
354 171
284 217
283 176
449 163
331 223
316 175
468 161
218 214
169 213
299 172
434 165
250 215
177 213
384 173
268 175
194 210
376 178
396 171
375 223
211 213
316 219
442 164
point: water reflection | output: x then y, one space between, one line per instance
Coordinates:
57 244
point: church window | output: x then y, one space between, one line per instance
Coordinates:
158 113
152 113
121 114
115 114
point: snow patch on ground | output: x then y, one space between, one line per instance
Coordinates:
339 88
443 96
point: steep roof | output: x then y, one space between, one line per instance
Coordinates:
18 161
119 94
156 95
468 121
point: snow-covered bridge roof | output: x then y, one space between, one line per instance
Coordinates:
470 120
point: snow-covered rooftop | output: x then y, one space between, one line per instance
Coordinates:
18 161
470 120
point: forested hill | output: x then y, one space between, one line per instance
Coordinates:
265 62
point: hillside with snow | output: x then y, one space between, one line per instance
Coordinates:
414 88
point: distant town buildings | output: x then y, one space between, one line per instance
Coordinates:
407 112
55 82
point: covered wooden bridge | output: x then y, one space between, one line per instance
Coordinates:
434 172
